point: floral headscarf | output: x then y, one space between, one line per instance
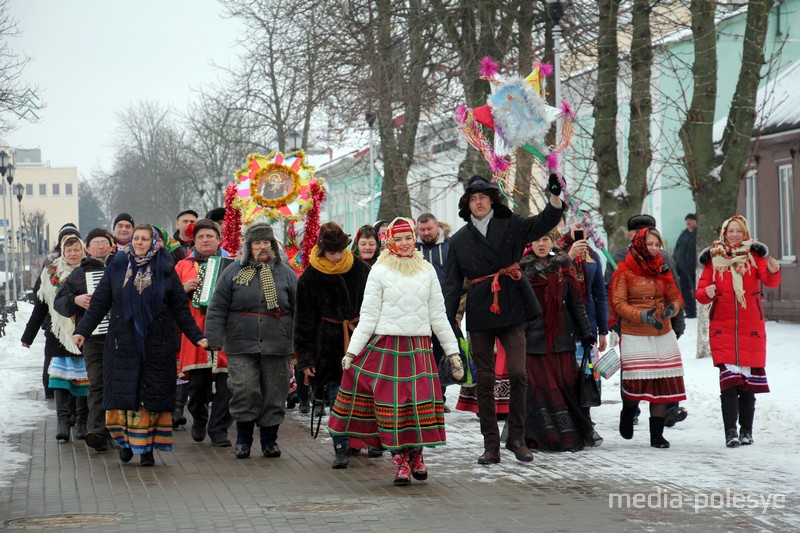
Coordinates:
735 259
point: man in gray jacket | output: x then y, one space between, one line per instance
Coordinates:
250 317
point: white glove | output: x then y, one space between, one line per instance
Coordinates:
613 338
458 368
347 360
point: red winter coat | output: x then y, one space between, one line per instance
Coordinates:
737 333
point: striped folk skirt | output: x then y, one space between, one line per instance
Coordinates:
747 379
391 398
68 372
142 430
652 370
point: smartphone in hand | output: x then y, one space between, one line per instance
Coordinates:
579 235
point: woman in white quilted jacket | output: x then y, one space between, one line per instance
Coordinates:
390 395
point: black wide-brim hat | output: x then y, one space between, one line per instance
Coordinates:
637 222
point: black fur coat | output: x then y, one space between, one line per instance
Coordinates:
317 342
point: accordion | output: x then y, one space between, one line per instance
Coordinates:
92 279
207 279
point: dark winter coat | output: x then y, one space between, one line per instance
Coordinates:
40 319
737 334
319 343
678 321
436 254
596 296
75 285
575 324
238 319
471 256
128 380
685 253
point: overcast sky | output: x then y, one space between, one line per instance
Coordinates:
94 58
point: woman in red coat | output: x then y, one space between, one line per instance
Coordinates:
734 268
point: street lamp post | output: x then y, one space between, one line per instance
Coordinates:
294 140
219 182
555 10
10 181
21 240
373 186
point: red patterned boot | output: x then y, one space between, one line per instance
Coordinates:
418 468
400 460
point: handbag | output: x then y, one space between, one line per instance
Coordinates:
608 364
588 391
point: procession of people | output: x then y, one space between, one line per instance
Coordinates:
139 323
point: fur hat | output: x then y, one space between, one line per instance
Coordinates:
98 232
258 230
637 222
67 229
123 217
217 214
480 184
205 223
332 238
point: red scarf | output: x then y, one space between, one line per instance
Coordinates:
641 263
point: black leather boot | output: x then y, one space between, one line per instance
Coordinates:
626 417
729 401
63 411
747 412
181 395
657 439
342 459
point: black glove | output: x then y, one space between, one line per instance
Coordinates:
587 344
649 318
670 311
678 334
553 186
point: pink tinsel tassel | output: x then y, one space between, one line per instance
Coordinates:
461 113
488 67
546 69
551 161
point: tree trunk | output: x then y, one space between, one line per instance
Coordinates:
614 201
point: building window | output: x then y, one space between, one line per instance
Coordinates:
68 189
786 190
751 201
56 189
28 189
42 189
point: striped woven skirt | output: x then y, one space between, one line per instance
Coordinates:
142 430
746 378
391 396
68 372
652 370
468 396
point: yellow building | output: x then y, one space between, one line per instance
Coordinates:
52 191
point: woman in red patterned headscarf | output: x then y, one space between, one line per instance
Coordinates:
643 298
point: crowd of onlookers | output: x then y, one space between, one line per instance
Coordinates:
141 324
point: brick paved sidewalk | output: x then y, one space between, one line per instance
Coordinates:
201 488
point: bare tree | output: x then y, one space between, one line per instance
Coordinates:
14 93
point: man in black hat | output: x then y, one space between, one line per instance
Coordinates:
685 254
183 220
123 229
499 299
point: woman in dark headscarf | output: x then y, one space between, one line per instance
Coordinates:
143 294
367 244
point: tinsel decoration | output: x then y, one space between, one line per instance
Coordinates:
232 235
311 232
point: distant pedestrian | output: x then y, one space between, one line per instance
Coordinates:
685 254
733 270
185 222
123 230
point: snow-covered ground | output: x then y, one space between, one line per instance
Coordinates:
20 373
